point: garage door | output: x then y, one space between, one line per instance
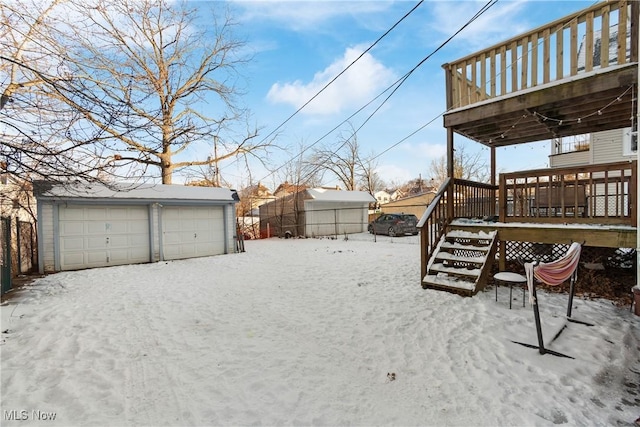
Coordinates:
189 232
98 236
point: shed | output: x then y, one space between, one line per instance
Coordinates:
316 212
91 225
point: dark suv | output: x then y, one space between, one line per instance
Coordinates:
394 224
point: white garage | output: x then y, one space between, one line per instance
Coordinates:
98 236
95 226
189 232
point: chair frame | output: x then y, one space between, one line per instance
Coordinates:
536 314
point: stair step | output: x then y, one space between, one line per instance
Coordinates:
459 262
446 256
445 281
463 272
468 241
457 245
467 237
481 235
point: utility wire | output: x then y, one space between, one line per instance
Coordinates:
326 86
343 71
395 86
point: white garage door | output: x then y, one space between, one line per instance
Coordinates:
189 232
98 236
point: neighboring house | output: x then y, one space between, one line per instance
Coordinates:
398 194
286 189
410 205
86 226
382 197
251 198
316 212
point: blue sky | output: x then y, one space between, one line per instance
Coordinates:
299 46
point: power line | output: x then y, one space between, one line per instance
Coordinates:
343 71
394 87
325 87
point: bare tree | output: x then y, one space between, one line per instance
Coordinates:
137 85
299 171
465 166
156 69
346 163
370 181
36 129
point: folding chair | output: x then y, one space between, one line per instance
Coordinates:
552 273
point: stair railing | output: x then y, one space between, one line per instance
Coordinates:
433 224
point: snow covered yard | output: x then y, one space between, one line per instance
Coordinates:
306 332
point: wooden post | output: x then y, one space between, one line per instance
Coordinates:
493 180
450 169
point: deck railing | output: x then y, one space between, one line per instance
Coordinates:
470 200
433 225
597 194
598 37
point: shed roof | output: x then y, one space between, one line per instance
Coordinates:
128 191
326 195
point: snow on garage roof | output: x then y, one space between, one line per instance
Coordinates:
122 191
326 195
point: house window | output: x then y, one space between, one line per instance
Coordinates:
630 140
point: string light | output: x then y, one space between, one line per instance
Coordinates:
579 119
560 122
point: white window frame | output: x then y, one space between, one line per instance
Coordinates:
628 135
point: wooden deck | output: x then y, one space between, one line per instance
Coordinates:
604 236
522 208
549 82
575 75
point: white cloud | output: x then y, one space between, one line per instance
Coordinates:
484 31
357 86
392 173
306 15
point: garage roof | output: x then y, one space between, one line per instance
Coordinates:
326 195
129 191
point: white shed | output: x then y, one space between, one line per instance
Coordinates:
86 226
316 212
333 212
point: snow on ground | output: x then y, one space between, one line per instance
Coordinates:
306 332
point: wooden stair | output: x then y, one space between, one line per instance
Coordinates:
461 262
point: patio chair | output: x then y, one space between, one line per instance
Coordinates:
552 273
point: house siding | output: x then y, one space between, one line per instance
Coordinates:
604 147
607 146
575 158
46 237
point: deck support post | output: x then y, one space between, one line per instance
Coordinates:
450 169
493 179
